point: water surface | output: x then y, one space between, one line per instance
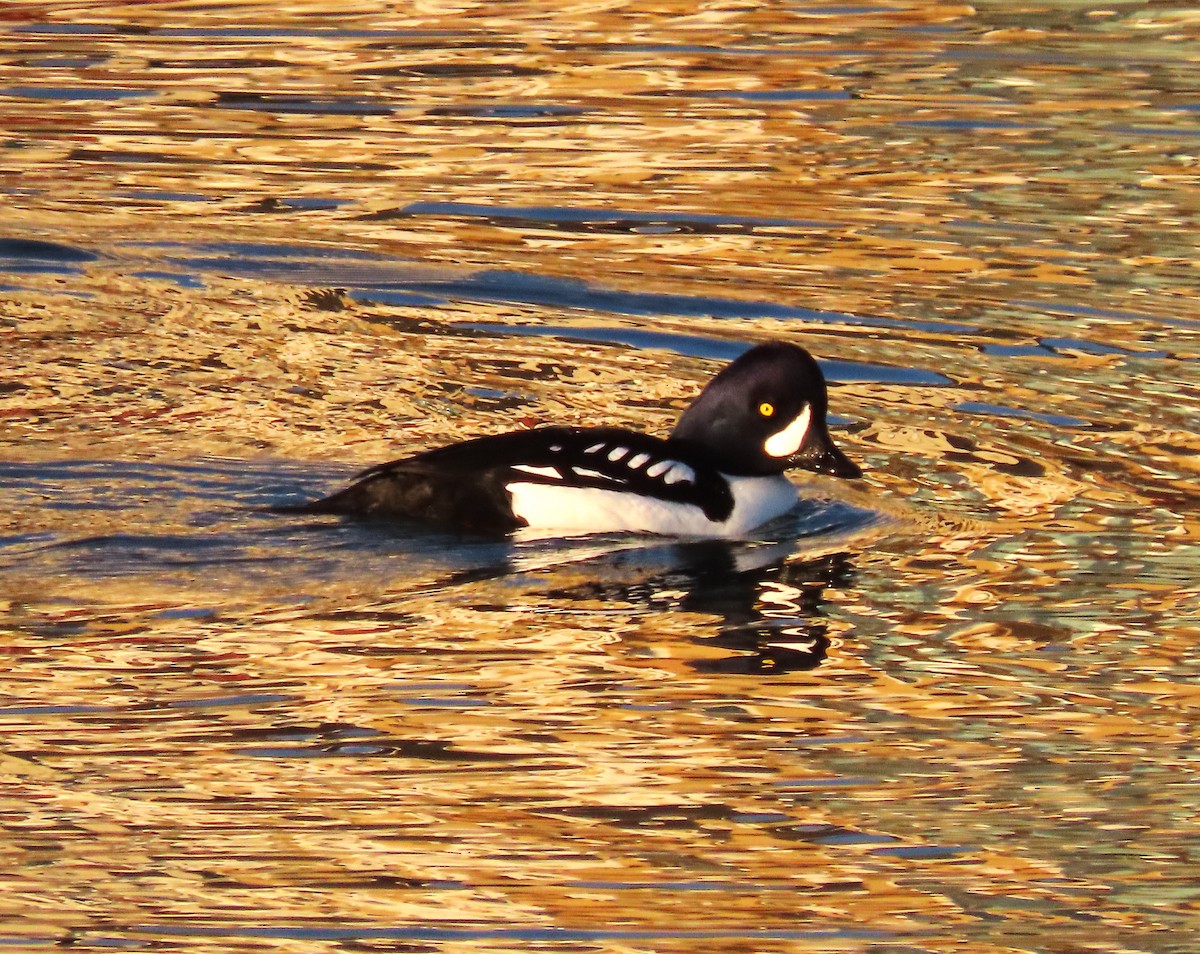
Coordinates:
247 251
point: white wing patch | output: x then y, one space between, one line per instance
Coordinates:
588 472
679 473
635 462
786 442
671 471
617 453
595 448
550 472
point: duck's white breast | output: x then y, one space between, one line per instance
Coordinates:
565 509
757 500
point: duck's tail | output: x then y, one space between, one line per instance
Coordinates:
335 504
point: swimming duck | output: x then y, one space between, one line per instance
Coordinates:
719 474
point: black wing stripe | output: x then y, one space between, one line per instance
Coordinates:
622 461
574 456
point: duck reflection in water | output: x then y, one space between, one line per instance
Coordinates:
772 620
769 606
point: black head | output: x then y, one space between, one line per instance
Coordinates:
765 413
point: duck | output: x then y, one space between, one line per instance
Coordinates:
719 474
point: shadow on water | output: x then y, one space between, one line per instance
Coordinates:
23 256
409 284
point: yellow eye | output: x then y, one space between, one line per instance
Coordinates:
766 409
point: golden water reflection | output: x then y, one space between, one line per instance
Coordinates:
248 248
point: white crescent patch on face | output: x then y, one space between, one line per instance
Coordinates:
786 442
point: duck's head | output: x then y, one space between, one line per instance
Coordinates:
764 413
